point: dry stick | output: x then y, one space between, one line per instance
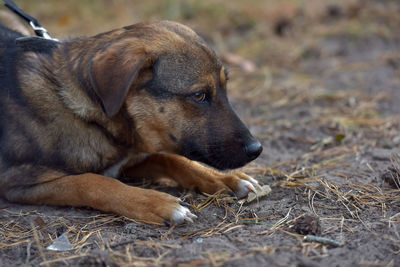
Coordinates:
212 260
362 222
154 244
322 240
128 254
341 228
159 259
312 202
232 228
170 230
281 221
36 237
80 244
28 252
47 263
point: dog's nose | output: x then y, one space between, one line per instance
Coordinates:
253 149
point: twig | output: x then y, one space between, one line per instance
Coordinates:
28 252
281 221
322 240
36 237
47 263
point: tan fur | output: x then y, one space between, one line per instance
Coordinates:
187 173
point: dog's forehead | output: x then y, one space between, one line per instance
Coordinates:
182 58
179 71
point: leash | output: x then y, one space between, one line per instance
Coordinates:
34 23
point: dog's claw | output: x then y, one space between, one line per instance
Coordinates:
254 182
188 220
244 187
181 215
191 215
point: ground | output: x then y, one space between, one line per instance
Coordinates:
318 82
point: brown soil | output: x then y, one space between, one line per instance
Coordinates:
322 93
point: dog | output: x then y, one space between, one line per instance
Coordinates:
149 100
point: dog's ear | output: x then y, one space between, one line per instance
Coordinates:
112 73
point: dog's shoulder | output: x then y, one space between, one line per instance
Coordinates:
13 46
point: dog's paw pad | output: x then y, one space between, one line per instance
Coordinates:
181 215
244 187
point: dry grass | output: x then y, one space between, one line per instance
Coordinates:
326 137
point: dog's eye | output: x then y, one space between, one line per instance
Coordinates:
200 96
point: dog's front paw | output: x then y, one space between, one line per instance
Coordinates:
156 207
240 183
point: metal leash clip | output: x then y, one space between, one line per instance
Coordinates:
42 32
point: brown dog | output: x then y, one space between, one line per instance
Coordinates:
142 101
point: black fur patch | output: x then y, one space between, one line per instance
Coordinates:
36 44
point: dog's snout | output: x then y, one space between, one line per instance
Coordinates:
253 149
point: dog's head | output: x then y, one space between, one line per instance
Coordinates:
174 89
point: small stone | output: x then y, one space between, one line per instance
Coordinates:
396 140
60 244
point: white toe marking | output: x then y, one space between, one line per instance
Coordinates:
254 182
244 187
182 214
191 215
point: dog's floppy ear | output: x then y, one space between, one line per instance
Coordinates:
112 73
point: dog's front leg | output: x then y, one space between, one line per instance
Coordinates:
103 193
191 175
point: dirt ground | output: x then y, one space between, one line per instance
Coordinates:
318 82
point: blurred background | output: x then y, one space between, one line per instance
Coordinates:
260 30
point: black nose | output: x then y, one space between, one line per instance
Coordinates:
253 149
